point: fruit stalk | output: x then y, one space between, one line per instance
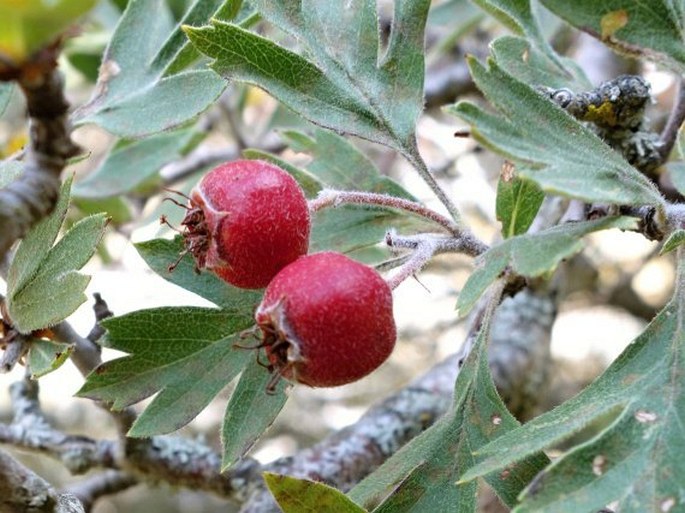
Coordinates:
334 198
426 245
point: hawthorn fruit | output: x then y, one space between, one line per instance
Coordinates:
326 320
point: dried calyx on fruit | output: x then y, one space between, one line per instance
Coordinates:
245 221
326 320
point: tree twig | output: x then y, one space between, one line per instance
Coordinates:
30 430
16 346
34 194
109 482
102 312
670 132
22 491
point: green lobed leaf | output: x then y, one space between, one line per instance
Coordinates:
35 245
552 148
520 17
160 253
532 255
191 391
676 239
422 476
135 94
177 53
250 411
532 58
129 165
634 461
70 253
34 309
187 354
46 356
518 202
344 83
45 286
526 62
338 164
303 496
349 229
653 30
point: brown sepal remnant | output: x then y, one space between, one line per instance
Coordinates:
196 237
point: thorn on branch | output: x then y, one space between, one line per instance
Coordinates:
101 311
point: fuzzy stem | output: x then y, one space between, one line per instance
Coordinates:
414 157
424 247
423 252
334 198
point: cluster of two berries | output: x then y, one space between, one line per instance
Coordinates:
326 319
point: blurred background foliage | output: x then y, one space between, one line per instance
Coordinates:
619 281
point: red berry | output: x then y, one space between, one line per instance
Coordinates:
247 220
327 320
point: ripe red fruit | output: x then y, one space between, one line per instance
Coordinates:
247 219
327 320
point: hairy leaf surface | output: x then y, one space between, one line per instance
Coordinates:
553 149
340 79
46 356
652 29
532 255
518 201
44 286
635 460
251 410
140 90
186 354
160 253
